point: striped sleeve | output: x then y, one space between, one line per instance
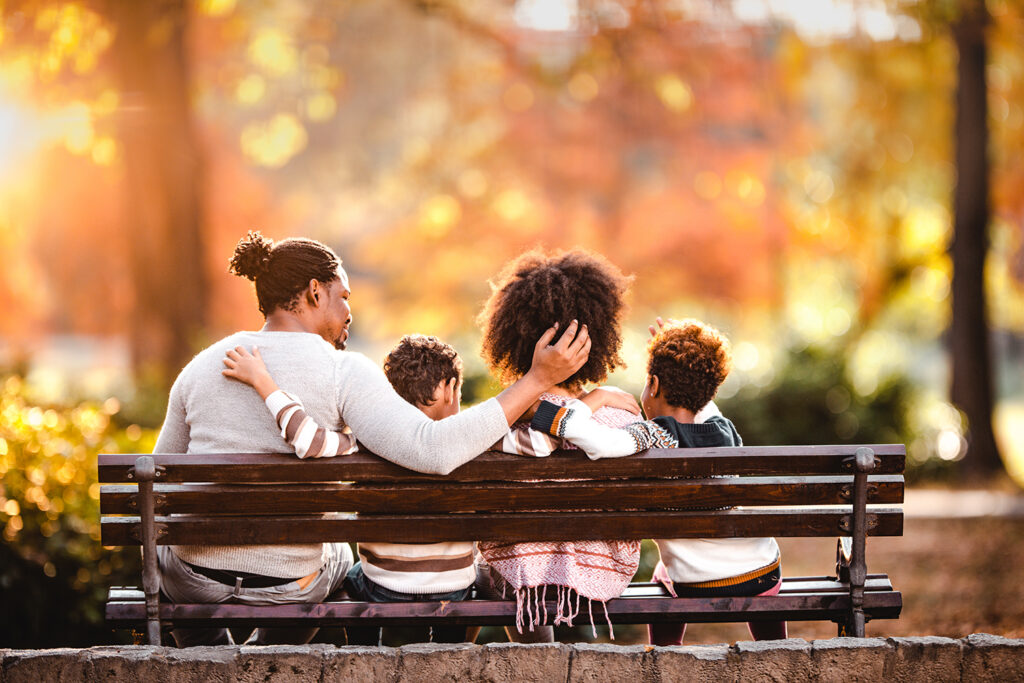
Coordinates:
574 422
527 442
302 433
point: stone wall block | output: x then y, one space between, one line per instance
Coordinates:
361 663
511 663
992 658
37 666
694 663
924 659
847 660
439 663
774 660
599 662
291 663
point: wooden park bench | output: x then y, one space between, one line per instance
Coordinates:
849 492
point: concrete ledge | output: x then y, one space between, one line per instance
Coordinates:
979 657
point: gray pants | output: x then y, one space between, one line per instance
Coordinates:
181 584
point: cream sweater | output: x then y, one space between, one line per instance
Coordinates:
209 413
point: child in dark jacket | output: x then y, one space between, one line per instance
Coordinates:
688 361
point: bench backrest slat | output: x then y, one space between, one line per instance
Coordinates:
534 526
431 497
491 466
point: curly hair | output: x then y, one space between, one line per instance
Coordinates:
534 291
282 270
418 364
691 359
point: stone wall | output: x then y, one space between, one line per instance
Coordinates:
979 657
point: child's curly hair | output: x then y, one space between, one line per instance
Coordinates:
691 359
534 291
418 364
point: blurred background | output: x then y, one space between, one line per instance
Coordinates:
836 184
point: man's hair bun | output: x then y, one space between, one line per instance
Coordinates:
252 256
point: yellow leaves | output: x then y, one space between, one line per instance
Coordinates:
924 230
819 186
673 92
77 37
438 215
216 8
275 142
518 97
250 89
472 183
511 205
272 50
583 87
321 106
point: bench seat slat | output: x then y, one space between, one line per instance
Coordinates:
791 607
422 497
366 467
535 526
790 585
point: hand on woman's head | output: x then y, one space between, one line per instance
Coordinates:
555 363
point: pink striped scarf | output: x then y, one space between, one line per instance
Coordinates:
596 570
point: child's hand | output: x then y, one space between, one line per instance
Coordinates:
612 398
249 368
661 325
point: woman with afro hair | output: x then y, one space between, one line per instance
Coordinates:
532 292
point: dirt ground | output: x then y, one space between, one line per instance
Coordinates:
957 576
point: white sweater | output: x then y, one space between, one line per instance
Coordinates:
209 413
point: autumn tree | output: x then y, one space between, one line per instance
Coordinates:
163 182
970 345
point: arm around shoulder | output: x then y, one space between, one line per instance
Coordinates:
397 431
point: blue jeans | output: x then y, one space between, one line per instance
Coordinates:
362 588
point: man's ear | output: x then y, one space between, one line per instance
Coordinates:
652 382
313 293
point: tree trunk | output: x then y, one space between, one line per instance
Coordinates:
969 337
163 183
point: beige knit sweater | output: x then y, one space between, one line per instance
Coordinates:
209 413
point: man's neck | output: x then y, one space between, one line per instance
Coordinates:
286 321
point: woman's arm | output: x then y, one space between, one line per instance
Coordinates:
574 422
303 434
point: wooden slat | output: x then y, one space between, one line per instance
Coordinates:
366 467
801 607
537 526
438 497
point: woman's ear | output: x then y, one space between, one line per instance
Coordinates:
652 382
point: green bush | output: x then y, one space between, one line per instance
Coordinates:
813 401
54 573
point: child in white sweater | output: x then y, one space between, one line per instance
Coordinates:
688 361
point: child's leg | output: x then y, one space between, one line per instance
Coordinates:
768 630
666 634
